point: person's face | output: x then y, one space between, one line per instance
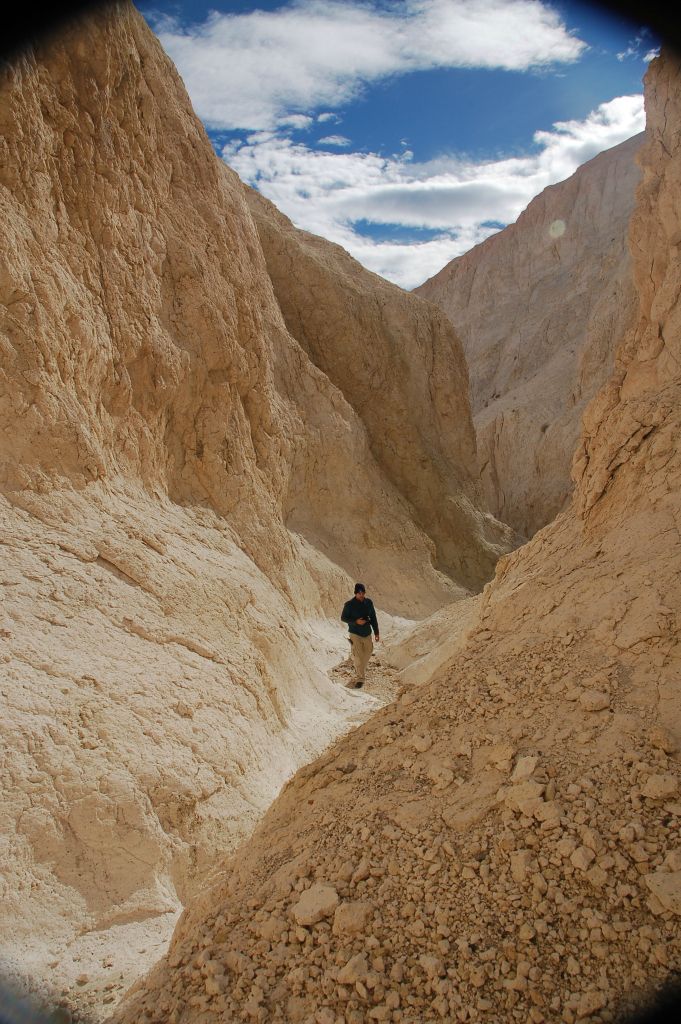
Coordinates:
360 595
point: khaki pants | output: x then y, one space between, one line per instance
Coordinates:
362 647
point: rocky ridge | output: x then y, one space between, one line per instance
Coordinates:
504 842
168 623
540 307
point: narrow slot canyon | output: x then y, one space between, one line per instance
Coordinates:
202 819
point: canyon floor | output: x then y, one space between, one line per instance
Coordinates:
85 978
193 473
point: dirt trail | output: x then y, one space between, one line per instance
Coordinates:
381 680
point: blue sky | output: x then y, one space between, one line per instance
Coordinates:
407 131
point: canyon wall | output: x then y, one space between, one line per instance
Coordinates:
539 308
503 842
401 370
185 497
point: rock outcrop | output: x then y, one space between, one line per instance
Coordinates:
185 495
503 842
399 367
539 308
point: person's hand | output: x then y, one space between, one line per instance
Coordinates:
376 637
361 622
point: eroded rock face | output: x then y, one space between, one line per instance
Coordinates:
400 367
540 308
161 433
516 838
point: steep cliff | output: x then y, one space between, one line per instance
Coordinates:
539 308
185 496
503 842
401 369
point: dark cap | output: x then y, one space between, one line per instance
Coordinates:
360 586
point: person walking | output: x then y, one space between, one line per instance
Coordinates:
360 615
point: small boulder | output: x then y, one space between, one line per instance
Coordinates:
660 787
351 918
594 700
316 903
666 887
524 768
523 795
356 969
582 858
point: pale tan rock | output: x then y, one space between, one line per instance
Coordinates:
539 313
666 888
594 700
524 768
590 1003
356 969
597 876
548 811
582 858
524 794
432 965
662 739
660 787
422 743
316 903
672 859
520 864
351 918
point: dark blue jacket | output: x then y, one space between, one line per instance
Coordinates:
353 610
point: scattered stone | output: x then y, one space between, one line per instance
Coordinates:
662 739
355 970
594 700
660 787
590 1003
666 888
524 795
520 864
351 918
524 768
582 858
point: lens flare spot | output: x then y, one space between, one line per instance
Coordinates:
557 228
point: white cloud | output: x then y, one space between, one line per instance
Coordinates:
335 140
328 193
253 70
299 122
635 46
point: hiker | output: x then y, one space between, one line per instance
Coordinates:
360 615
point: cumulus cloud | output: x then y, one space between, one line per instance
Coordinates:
457 200
250 71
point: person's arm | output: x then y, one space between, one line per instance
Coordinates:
345 615
374 621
